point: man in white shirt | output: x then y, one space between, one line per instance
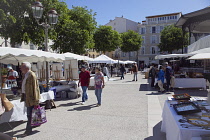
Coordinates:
12 76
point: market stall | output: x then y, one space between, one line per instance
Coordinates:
19 111
187 73
188 125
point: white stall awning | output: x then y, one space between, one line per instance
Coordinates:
172 56
69 56
103 59
13 55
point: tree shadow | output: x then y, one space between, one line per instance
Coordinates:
157 134
81 108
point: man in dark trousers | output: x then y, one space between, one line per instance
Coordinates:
152 74
135 72
84 81
122 70
168 75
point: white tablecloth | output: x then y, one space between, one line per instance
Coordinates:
188 82
46 96
172 128
18 113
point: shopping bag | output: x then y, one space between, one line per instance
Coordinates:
6 103
38 116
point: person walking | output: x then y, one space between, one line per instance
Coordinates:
160 80
135 72
152 74
30 92
122 70
99 85
84 81
168 75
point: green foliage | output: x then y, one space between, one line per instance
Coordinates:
172 38
106 39
4 71
131 41
74 32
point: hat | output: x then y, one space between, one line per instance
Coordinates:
9 68
166 63
83 66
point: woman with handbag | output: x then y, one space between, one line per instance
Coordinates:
99 84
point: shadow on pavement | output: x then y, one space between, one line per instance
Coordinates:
22 135
157 134
83 107
6 126
69 104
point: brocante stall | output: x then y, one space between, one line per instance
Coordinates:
15 56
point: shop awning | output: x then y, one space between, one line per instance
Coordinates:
172 56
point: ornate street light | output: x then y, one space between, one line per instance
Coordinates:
38 9
53 16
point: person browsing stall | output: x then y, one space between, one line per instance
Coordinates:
84 81
30 92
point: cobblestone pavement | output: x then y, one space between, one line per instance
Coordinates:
130 111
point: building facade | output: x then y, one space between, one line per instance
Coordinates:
150 30
121 25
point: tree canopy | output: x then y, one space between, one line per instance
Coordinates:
106 39
73 33
131 41
172 38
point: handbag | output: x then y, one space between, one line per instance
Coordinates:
38 116
6 103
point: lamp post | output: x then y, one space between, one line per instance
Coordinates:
38 9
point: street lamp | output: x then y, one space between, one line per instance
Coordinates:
38 9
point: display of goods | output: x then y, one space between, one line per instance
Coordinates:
199 122
186 108
183 96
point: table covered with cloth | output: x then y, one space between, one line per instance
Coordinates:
18 113
172 127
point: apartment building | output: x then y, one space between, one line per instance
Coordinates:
150 30
121 24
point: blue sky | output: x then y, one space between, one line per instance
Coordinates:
137 10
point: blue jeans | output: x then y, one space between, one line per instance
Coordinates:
29 112
84 93
122 75
98 92
135 76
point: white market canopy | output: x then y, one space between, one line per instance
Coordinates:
200 56
120 62
172 56
69 56
103 59
130 62
13 55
